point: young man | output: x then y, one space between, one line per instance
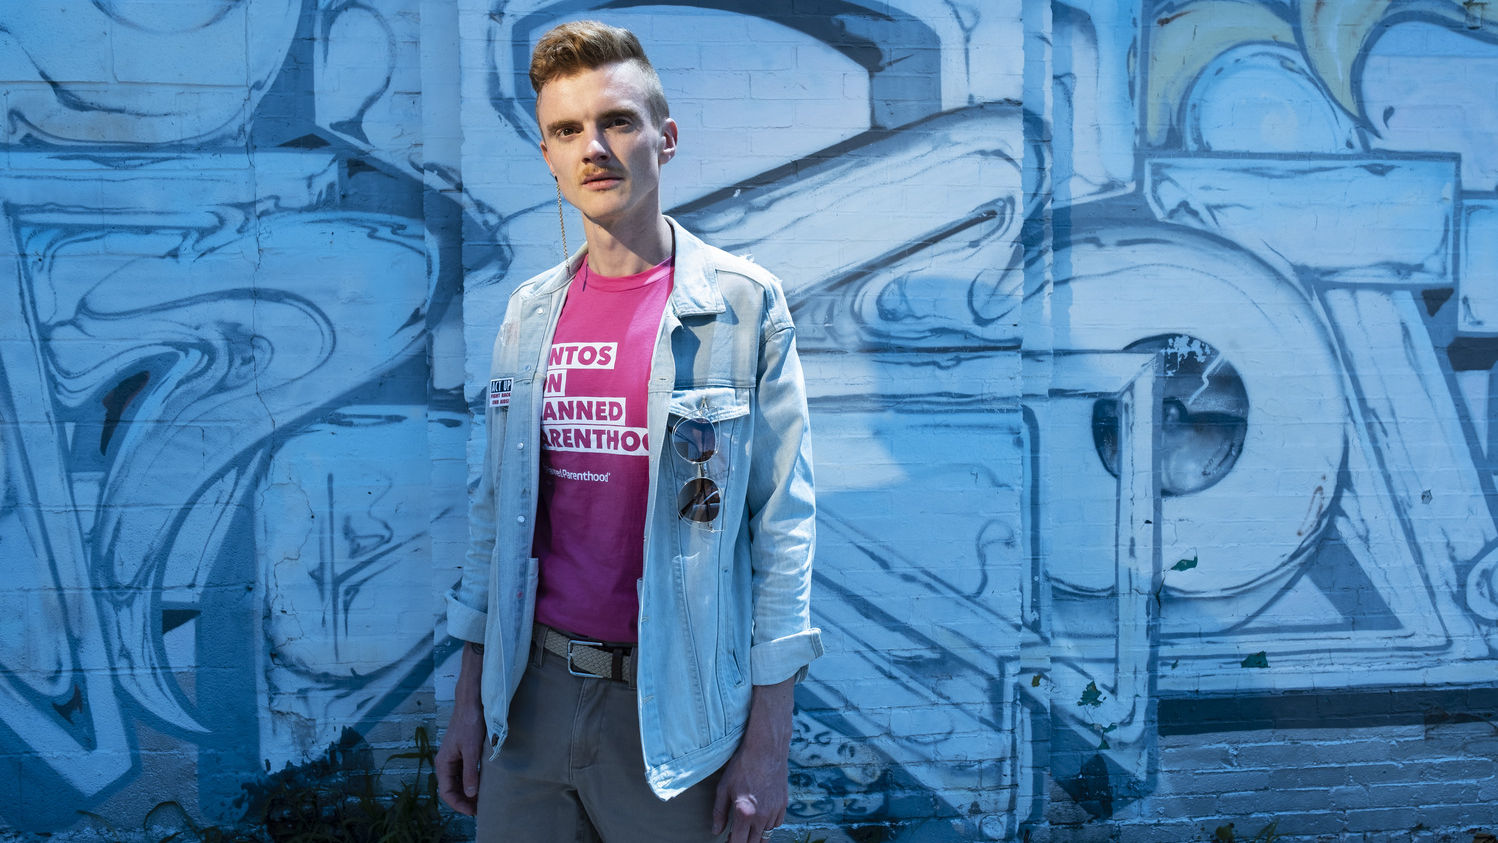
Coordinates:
636 590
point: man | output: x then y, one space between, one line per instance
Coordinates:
635 595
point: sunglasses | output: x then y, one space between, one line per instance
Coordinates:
696 440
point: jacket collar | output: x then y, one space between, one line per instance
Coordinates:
694 282
694 290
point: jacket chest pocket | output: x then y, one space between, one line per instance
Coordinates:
705 431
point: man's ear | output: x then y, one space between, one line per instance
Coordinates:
547 158
668 136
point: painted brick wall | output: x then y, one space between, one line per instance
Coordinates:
1150 349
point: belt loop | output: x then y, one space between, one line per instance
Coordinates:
538 645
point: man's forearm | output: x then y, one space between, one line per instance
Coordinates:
770 709
456 764
470 675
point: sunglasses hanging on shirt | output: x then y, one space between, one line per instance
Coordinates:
698 500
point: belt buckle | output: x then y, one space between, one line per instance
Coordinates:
573 670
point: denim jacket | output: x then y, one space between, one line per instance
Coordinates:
722 606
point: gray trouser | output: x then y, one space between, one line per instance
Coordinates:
571 770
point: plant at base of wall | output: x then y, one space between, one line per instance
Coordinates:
331 809
340 810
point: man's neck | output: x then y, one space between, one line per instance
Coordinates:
627 251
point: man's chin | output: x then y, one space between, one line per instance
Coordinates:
601 210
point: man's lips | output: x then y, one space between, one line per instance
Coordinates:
601 180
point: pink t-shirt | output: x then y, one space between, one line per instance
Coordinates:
595 453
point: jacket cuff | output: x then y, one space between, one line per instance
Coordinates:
775 661
464 621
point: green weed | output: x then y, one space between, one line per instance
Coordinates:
327 804
348 810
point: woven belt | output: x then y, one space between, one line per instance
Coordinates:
593 659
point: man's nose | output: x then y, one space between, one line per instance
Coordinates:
596 149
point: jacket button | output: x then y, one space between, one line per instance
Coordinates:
520 519
520 446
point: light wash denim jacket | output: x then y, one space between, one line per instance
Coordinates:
721 607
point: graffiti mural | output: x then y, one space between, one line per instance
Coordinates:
1267 221
216 337
1150 348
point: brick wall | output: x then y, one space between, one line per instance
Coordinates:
1149 347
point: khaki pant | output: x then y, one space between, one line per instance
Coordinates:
571 770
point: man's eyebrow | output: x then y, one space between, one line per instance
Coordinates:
559 124
622 112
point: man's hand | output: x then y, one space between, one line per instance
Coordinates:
458 760
754 789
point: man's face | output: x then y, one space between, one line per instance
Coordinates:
603 146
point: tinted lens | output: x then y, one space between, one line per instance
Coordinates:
695 440
699 500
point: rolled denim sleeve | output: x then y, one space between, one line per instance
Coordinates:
782 509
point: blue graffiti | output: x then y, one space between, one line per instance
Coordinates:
1149 347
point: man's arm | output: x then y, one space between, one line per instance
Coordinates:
467 617
753 792
781 505
458 759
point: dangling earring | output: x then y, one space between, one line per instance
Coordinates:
561 221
